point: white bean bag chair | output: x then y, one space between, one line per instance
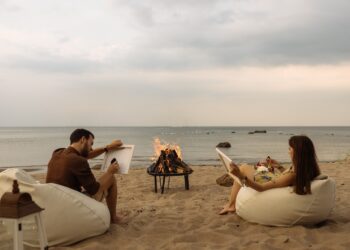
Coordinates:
69 216
283 207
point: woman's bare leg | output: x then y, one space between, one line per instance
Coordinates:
231 205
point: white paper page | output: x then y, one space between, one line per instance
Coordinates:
226 161
123 157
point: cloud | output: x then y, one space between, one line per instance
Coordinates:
177 35
165 62
294 95
244 33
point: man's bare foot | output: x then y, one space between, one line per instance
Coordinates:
227 210
118 220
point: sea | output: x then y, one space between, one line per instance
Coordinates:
32 148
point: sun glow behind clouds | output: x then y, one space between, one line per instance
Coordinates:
291 95
287 78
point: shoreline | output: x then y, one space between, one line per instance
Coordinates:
35 146
33 167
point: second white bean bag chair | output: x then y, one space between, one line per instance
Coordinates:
69 216
283 207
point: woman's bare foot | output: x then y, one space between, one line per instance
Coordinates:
227 210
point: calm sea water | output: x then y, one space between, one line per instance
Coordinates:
34 146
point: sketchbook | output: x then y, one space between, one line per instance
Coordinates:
226 161
123 155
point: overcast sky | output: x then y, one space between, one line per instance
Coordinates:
176 63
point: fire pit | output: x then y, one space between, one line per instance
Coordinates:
168 163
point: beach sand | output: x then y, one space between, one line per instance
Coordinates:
188 219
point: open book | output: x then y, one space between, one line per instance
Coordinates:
226 161
123 155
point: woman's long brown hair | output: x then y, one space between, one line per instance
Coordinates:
305 163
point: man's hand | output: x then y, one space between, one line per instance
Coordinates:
113 168
114 145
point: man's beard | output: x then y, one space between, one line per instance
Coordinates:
85 151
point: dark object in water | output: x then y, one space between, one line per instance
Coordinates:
223 145
258 132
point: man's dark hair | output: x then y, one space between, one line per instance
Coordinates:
79 133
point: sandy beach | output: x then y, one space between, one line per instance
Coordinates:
132 85
180 219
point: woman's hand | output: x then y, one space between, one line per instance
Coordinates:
235 170
272 162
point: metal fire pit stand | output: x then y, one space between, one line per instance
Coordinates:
162 180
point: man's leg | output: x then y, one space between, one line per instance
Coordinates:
231 205
108 184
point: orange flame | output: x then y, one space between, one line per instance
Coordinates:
159 146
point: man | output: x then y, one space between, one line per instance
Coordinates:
69 167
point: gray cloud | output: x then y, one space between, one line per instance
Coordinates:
177 35
317 34
166 62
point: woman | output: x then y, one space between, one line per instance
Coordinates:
303 170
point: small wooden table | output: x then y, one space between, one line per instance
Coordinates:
162 182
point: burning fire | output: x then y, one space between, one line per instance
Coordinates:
158 147
168 159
